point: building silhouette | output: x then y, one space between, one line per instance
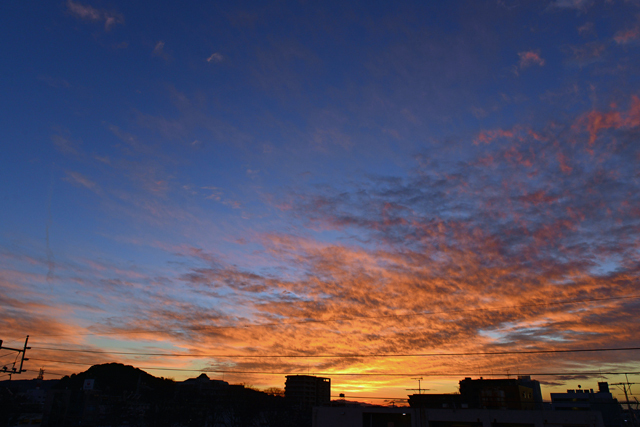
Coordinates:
118 395
509 393
520 393
306 391
586 400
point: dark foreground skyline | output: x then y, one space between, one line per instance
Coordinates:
207 187
116 394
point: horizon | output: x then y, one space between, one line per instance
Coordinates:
338 396
374 192
211 375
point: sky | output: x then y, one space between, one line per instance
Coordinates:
212 185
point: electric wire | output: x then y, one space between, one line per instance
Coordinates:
381 355
379 374
369 397
345 355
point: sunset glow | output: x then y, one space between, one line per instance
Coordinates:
369 192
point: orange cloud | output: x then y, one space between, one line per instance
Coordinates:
527 244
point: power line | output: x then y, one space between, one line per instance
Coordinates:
369 397
371 355
340 319
358 374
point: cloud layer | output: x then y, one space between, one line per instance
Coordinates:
211 186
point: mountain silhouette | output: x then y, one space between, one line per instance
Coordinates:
115 378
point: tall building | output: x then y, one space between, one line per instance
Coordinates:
307 390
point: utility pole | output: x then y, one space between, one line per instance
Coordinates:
419 388
13 370
419 403
627 386
418 379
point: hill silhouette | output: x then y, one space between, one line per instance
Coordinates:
115 378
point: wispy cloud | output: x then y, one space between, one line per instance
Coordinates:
530 58
586 29
215 57
581 5
66 145
159 51
191 115
627 36
586 54
90 13
134 146
78 179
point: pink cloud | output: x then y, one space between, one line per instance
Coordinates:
586 29
627 36
530 58
487 136
517 133
92 14
564 163
595 121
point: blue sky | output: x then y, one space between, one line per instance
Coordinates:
169 170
